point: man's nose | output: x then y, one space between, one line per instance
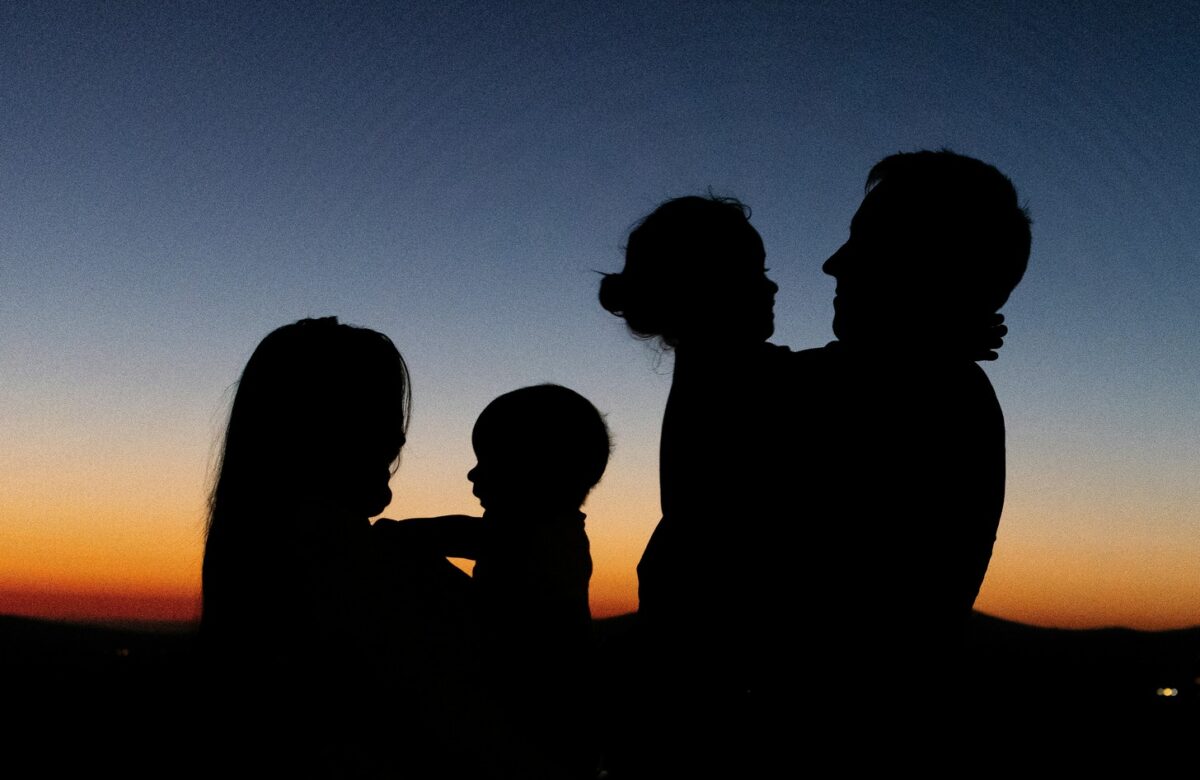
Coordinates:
836 263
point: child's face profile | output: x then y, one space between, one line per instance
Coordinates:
488 480
479 482
730 297
501 476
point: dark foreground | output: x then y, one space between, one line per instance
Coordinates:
90 699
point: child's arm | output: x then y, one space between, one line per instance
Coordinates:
454 536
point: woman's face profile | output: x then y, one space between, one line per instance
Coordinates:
362 443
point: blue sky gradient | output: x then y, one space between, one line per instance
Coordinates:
179 179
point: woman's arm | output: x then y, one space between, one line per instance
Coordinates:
454 536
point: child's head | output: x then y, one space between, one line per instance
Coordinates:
541 447
694 272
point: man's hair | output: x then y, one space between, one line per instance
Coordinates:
983 233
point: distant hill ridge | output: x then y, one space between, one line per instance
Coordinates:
30 638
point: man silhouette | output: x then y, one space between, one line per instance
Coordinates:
828 514
905 438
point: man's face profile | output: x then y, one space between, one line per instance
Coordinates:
873 269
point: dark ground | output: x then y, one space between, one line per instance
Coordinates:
81 697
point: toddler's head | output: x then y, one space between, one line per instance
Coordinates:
538 448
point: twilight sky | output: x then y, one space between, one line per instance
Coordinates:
176 180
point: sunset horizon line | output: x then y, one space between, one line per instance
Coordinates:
108 607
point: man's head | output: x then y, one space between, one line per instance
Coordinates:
937 245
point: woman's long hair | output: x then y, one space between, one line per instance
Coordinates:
320 411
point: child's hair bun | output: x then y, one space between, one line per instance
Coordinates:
614 293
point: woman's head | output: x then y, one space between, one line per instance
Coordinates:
694 271
316 425
319 417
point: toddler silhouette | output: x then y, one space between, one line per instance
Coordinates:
539 450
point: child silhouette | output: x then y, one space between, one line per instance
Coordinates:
540 450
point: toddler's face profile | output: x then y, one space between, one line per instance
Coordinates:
482 482
503 479
479 483
731 299
488 480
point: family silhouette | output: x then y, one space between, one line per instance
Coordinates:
822 510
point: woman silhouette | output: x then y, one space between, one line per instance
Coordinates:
314 432
330 649
334 647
